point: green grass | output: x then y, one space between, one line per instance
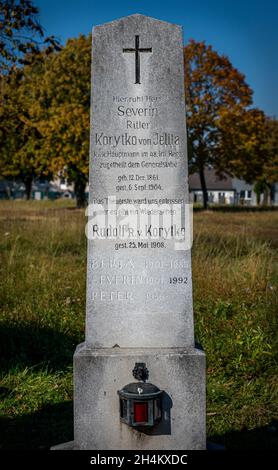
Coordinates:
42 313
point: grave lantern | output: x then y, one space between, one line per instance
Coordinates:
140 402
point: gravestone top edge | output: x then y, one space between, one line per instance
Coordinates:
83 349
131 17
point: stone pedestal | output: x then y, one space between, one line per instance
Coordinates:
99 373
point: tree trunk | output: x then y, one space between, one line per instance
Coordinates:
79 189
272 194
204 187
28 186
265 196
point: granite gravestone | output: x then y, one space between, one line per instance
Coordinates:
139 287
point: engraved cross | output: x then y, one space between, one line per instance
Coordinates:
137 51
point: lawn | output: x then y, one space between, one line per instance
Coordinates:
42 314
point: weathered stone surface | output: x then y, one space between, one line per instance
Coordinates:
139 289
131 298
65 446
99 373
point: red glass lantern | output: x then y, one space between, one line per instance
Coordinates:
140 404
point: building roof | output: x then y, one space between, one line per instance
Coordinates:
213 181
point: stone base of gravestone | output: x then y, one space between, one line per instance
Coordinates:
100 373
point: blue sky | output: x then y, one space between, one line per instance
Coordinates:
244 30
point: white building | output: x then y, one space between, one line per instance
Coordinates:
223 189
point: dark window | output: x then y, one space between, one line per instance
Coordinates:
123 408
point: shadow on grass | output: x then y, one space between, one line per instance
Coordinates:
52 425
26 345
264 438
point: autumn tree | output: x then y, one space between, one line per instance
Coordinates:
21 140
65 98
269 174
241 143
21 34
23 49
45 117
221 126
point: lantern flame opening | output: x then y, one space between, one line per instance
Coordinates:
140 410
